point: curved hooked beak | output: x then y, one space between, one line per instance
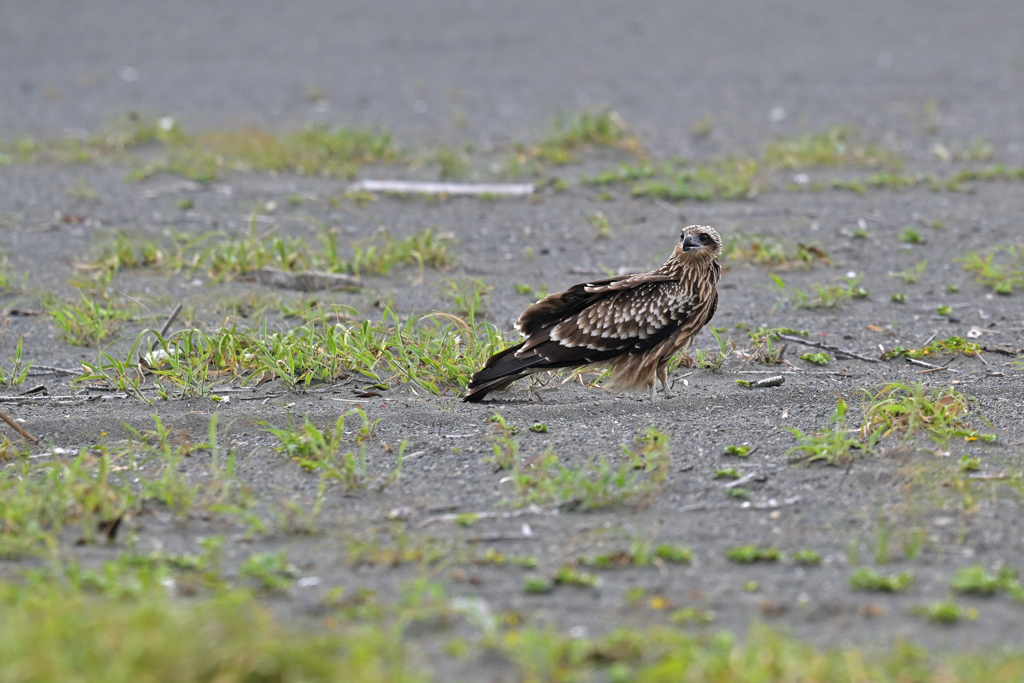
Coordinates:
690 243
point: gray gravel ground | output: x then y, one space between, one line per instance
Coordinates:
911 74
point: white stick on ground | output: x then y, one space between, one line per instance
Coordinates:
415 187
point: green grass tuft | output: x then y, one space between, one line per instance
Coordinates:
748 554
633 483
53 635
867 579
836 146
1000 268
832 445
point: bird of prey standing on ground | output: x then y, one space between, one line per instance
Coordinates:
632 324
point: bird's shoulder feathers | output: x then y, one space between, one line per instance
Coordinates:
619 315
620 318
554 308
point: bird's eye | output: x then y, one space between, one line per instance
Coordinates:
705 238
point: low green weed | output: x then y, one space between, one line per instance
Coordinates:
187 361
774 332
975 580
9 282
833 445
633 483
97 488
117 251
910 235
912 409
452 164
547 482
319 451
867 579
272 570
912 274
536 293
823 296
537 585
764 350
468 296
492 557
226 257
395 550
309 445
703 128
128 578
762 654
640 554
315 150
87 322
504 446
710 360
730 178
568 576
1000 268
836 146
40 499
938 347
165 450
233 256
989 173
18 372
806 557
604 128
434 351
692 615
112 141
890 181
775 253
676 554
624 173
968 464
49 631
602 227
380 254
944 612
748 554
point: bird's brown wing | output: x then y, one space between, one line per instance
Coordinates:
618 319
555 308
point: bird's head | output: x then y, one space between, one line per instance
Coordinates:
695 238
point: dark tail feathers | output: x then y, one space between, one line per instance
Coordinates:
498 372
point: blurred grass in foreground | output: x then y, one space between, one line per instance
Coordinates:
48 633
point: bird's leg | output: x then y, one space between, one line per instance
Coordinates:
651 387
663 378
